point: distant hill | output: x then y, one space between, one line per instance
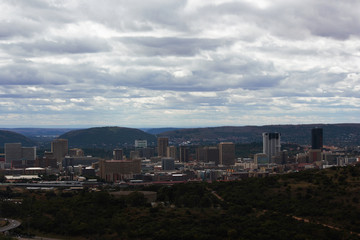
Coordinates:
39 132
13 137
106 137
334 134
155 131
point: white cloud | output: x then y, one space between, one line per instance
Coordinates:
199 63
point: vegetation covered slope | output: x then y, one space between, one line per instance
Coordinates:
314 204
12 137
106 137
334 134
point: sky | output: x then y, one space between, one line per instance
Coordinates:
178 63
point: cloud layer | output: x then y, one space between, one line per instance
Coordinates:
179 63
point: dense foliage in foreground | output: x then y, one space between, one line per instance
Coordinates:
251 209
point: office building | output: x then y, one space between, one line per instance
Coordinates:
227 153
84 161
261 158
59 148
146 152
17 156
140 143
76 152
171 152
184 154
162 144
12 152
211 154
167 164
118 154
271 144
46 161
317 138
284 157
200 154
134 154
315 155
117 170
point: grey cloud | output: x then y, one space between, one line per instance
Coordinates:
152 46
58 46
295 19
31 18
18 28
30 73
20 75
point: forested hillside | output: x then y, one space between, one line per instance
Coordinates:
314 204
106 137
12 137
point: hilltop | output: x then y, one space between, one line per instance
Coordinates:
334 134
12 137
106 137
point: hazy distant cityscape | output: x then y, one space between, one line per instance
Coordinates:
167 162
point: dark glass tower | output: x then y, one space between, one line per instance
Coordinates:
317 138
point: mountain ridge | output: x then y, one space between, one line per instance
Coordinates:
13 137
106 137
334 134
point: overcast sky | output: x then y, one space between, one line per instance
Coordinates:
179 63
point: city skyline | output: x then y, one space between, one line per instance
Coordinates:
178 63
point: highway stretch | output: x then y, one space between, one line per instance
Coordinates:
11 224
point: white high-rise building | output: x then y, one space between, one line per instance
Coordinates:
140 143
271 144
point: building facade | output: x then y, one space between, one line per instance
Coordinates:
59 148
17 156
211 154
171 152
167 164
117 170
118 154
162 144
184 154
271 144
317 138
227 153
139 143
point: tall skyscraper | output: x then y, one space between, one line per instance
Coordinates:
184 154
227 153
59 148
171 152
211 154
271 144
200 154
316 138
163 143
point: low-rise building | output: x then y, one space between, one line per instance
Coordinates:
117 170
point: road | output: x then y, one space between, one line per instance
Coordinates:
11 224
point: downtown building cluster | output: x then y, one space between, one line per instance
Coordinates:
167 162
